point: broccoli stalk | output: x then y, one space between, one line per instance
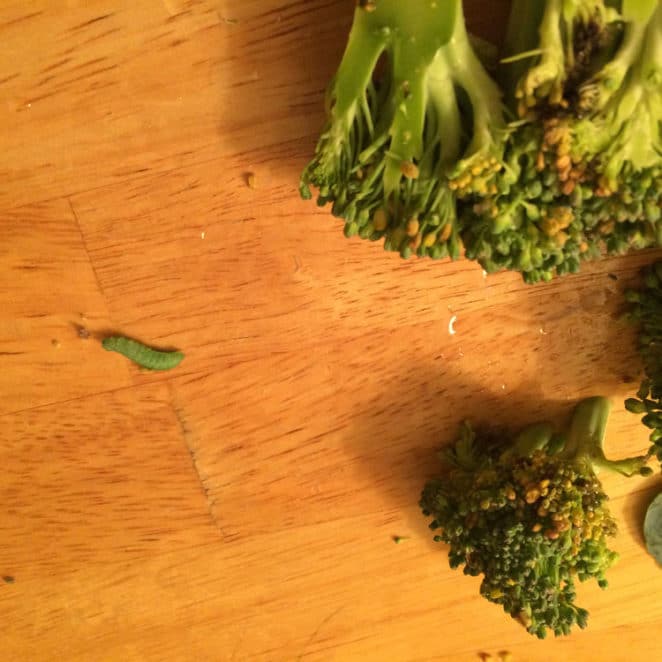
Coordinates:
398 127
584 443
548 76
596 91
530 515
569 32
615 147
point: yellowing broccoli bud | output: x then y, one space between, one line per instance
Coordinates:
532 495
445 232
409 169
367 5
561 238
380 220
412 227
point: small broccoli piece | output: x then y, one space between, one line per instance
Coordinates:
529 514
646 312
410 109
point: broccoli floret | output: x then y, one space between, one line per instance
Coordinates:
417 150
646 312
410 109
619 140
530 225
583 168
530 515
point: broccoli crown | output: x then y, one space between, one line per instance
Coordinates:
616 143
646 312
530 515
582 168
417 149
409 109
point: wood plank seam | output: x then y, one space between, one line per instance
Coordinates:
186 434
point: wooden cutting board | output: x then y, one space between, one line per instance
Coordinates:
243 506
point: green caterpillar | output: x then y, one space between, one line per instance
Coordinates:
144 356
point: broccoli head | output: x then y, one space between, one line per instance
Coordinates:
529 514
410 110
417 149
617 141
582 168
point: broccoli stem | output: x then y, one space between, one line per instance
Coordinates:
638 11
557 58
410 33
355 71
521 43
638 107
585 439
615 71
431 22
532 438
597 93
484 94
409 99
421 76
448 121
587 429
415 30
548 73
649 69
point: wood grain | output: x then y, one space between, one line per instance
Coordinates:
243 506
51 304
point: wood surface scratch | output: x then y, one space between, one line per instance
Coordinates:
318 629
